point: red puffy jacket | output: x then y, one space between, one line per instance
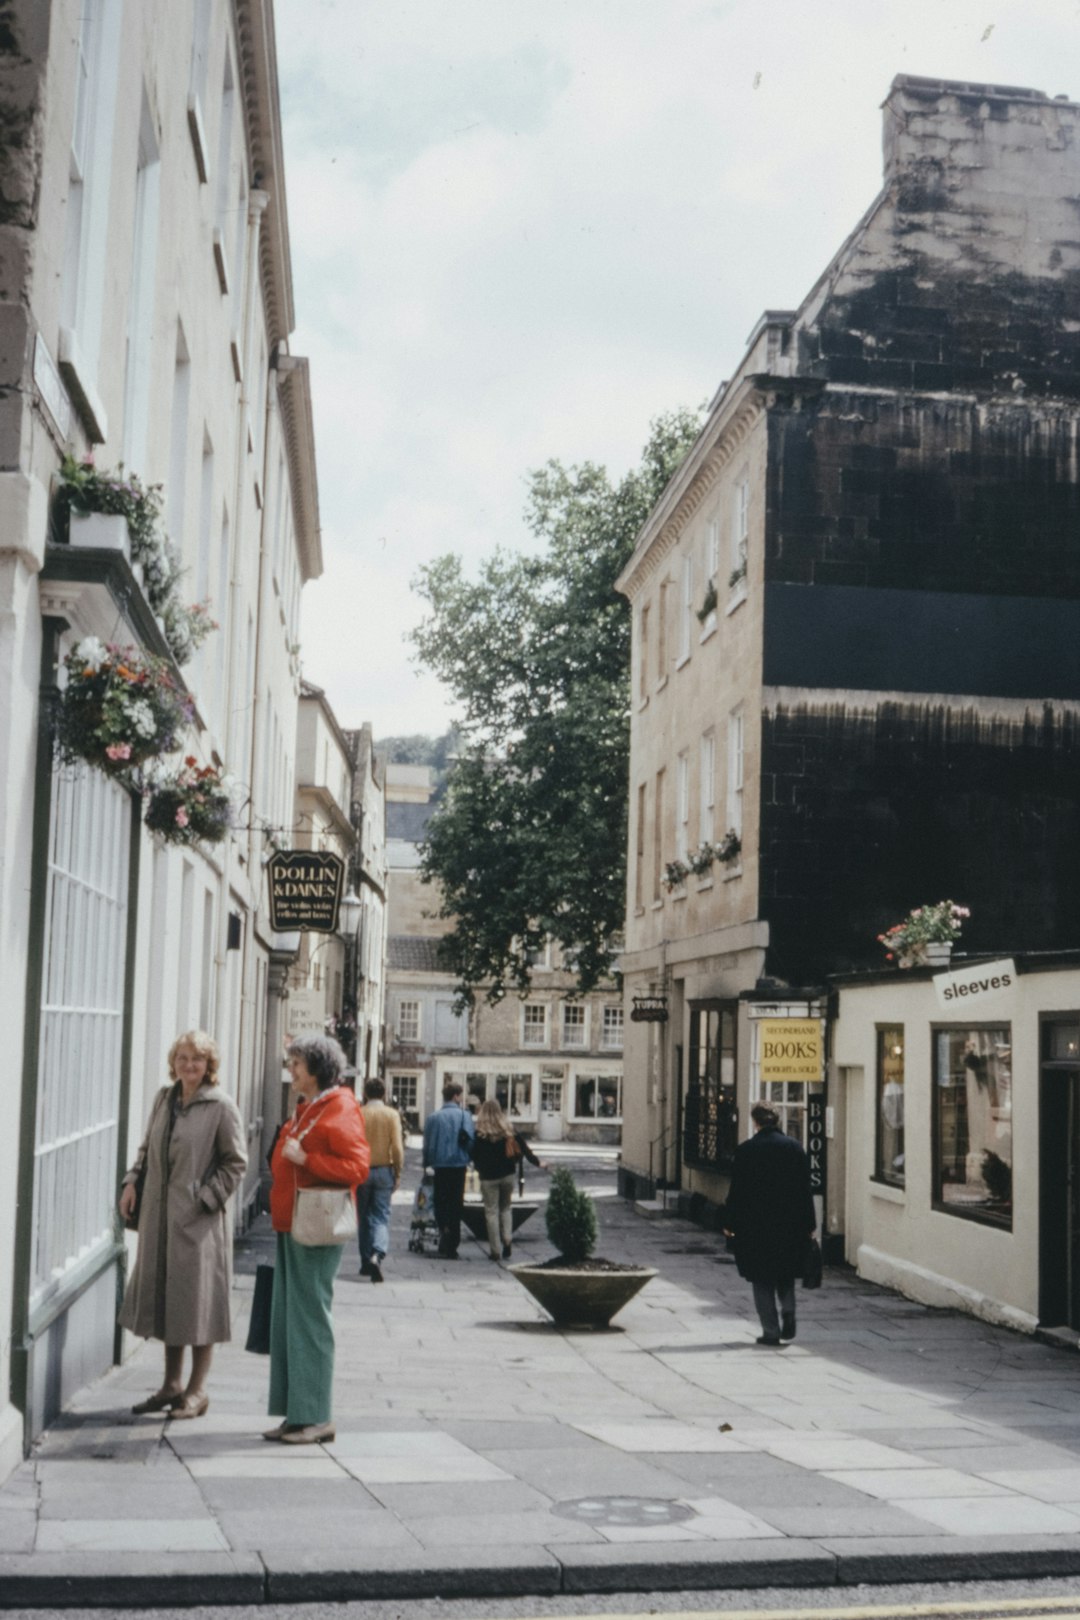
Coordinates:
331 1132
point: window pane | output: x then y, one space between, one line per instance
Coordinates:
709 1117
613 1027
973 1123
890 1106
534 1026
585 1091
573 1025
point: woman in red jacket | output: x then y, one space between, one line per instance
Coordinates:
322 1145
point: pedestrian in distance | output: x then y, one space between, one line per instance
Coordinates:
191 1161
770 1214
497 1152
448 1136
382 1125
322 1145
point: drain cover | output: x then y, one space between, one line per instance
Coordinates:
629 1510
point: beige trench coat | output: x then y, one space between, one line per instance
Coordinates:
179 1289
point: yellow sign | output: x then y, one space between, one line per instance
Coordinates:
790 1048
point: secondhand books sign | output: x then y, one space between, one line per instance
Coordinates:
305 890
790 1048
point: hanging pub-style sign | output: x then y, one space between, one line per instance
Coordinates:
649 1010
305 890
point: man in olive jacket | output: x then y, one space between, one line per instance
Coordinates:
771 1216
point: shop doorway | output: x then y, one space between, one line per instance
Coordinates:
1059 1174
551 1105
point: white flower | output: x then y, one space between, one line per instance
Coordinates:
92 652
142 718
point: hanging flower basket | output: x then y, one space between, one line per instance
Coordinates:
119 708
926 934
192 806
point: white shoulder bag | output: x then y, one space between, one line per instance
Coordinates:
322 1216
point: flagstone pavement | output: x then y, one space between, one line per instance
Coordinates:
478 1449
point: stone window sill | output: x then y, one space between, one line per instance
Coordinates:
887 1191
737 597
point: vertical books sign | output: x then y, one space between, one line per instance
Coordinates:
305 890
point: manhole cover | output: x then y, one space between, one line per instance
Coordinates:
628 1510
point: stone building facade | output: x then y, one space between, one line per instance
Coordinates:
552 1059
856 615
145 310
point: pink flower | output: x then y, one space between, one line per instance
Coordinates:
119 750
181 817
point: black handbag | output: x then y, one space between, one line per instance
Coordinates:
131 1222
464 1135
258 1339
812 1266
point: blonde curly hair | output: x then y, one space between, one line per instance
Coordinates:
204 1045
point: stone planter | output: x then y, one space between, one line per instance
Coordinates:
937 952
105 531
472 1216
582 1298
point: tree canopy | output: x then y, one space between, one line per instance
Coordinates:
530 840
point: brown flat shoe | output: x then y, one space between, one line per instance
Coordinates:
161 1402
311 1434
275 1434
190 1406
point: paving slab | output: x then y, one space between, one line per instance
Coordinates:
480 1451
941 1558
129 1580
686 1566
481 1572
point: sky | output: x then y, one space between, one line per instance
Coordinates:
521 229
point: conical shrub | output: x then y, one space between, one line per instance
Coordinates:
571 1218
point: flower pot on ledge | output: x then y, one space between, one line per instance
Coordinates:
104 531
937 952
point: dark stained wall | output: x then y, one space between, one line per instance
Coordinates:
865 815
897 491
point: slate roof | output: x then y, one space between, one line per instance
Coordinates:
410 953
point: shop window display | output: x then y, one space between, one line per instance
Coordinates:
973 1123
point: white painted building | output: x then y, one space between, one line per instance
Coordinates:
954 1159
145 313
369 877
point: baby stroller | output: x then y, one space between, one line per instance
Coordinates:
422 1230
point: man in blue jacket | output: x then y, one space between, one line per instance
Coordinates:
448 1134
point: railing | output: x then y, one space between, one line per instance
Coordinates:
653 1146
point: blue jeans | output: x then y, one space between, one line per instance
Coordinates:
373 1211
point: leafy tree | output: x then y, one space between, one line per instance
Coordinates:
530 840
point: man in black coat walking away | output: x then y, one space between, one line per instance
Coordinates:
771 1216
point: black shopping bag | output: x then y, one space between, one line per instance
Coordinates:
812 1267
258 1339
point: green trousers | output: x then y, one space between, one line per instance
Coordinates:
302 1332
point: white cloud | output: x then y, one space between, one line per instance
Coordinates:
522 229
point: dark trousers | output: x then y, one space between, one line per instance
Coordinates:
766 1296
449 1197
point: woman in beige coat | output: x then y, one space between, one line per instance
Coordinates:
194 1159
